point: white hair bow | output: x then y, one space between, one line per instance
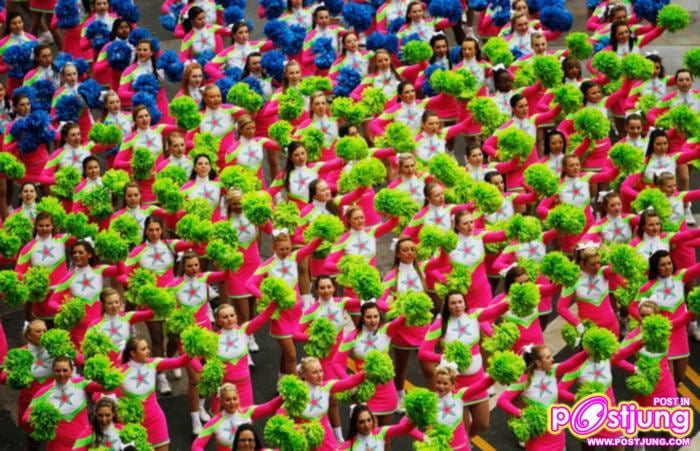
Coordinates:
499 66
586 244
392 246
278 232
103 95
653 52
630 113
527 349
602 194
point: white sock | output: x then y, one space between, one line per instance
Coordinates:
338 434
201 403
402 393
161 376
195 418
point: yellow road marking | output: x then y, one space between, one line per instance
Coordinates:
693 376
686 392
482 444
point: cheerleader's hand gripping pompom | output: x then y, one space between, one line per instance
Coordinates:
70 313
557 267
414 306
15 292
673 18
600 343
379 367
295 394
200 342
58 343
44 418
97 342
459 280
505 335
458 353
421 407
18 367
322 337
566 219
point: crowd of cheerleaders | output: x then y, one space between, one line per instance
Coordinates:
133 214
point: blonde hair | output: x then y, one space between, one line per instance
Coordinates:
304 364
585 254
446 371
244 120
227 386
350 210
403 157
649 303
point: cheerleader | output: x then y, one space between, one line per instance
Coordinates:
650 237
192 82
539 386
410 180
253 68
283 264
666 182
218 118
297 14
364 433
47 250
192 288
320 119
683 95
139 383
237 53
203 183
415 22
388 12
381 74
249 150
91 180
134 208
228 426
351 56
145 64
102 71
70 77
591 292
435 212
14 35
614 226
433 137
177 156
520 38
623 42
84 281
103 430
268 114
457 323
554 149
72 152
100 14
634 125
321 27
44 69
470 59
26 204
656 86
113 114
200 37
69 395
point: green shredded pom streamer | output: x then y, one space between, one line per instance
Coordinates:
36 279
374 100
414 306
257 207
224 255
346 109
487 197
179 320
44 418
100 369
70 313
570 335
200 342
281 133
693 300
98 202
653 198
10 245
393 202
242 94
58 343
367 172
433 238
608 63
486 113
379 367
142 164
20 227
128 229
111 247
592 123
566 219
52 206
399 137
505 367
445 169
312 139
276 290
459 280
636 67
656 331
523 298
498 51
691 60
519 428
322 337
67 178
460 84
10 166
18 367
628 158
523 228
416 52
352 148
310 85
600 343
130 410
363 278
79 226
535 416
579 46
240 177
569 97
168 195
327 227
291 105
514 143
97 342
590 388
136 434
438 438
286 215
458 353
109 134
186 112
548 70
673 18
683 118
557 267
505 335
647 376
421 407
191 228
295 394
174 173
211 377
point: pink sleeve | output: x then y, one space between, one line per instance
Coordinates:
544 206
571 363
200 443
490 145
267 409
256 323
650 36
388 226
426 352
492 312
563 310
549 116
173 362
627 352
348 383
505 402
403 427
686 235
481 385
308 249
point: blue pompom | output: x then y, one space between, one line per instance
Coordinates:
456 54
250 24
293 40
147 83
67 14
275 30
237 3
649 9
204 57
335 7
233 14
168 21
32 131
410 37
273 8
119 55
171 65
556 19
147 100
501 17
234 73
593 4
81 65
375 41
427 87
29 91
358 15
97 33
376 4
224 85
450 9
68 108
273 63
391 44
325 54
91 92
395 25
478 5
600 45
324 60
517 53
43 90
348 79
254 84
142 34
126 9
20 58
534 6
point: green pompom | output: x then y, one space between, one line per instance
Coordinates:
280 432
109 134
110 247
625 261
519 428
52 206
460 84
414 306
648 371
566 219
348 110
168 195
211 377
240 177
310 85
535 416
36 279
505 367
373 100
438 438
487 197
224 255
186 112
44 418
322 337
656 331
498 51
18 367
570 335
314 433
281 133
286 216
58 343
525 76
20 227
98 202
160 300
100 369
199 207
191 228
458 353
364 392
531 267
393 202
653 198
636 67
693 300
79 226
179 319
590 388
276 290
400 137
548 70
459 280
242 94
592 123
363 278
646 103
691 60
626 157
612 87
431 239
608 63
514 143
486 113
523 228
505 335
683 118
257 207
445 169
291 105
379 367
624 296
97 342
557 267
128 229
569 97
673 18
115 180
579 46
295 394
142 164
10 245
66 180
416 52
421 407
70 313
130 410
327 227
523 298
600 343
10 166
352 148
200 342
174 173
312 139
138 278
367 172
136 434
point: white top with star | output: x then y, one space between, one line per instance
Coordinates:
439 217
542 388
469 251
465 329
367 341
192 293
110 435
202 40
227 426
332 311
450 409
139 378
592 288
367 443
117 328
658 164
575 191
86 283
525 125
615 230
285 269
247 233
209 9
250 153
387 82
47 252
319 398
640 142
150 139
677 209
237 56
328 127
669 292
651 244
476 69
299 181
195 93
689 98
233 345
207 190
408 279
410 115
554 162
67 398
505 212
429 146
47 73
121 121
181 162
360 242
597 372
41 366
356 61
502 99
217 122
532 250
157 257
139 214
424 30
414 187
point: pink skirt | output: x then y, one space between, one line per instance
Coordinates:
385 399
464 380
44 6
287 323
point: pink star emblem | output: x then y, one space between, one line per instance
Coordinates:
157 257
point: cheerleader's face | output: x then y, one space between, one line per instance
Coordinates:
113 104
456 305
70 75
254 65
383 62
468 50
431 125
80 256
144 52
365 423
293 73
92 170
104 416
684 81
522 25
241 35
652 226
416 13
594 94
62 372
246 441
634 128
101 6
614 207
619 16
440 48
73 137
123 30
234 203
28 194
669 186
325 289
545 361
572 167
320 106
476 157
408 167
154 232
497 181
661 145
200 21
313 373
295 3
17 25
371 319
213 98
133 197
521 7
45 58
665 267
230 401
143 119
322 19
591 265
226 318
657 69
407 252
323 192
443 384
202 167
248 130
177 147
408 95
556 144
196 78
522 109
622 34
357 220
573 70
465 225
299 156
539 45
142 352
191 267
44 227
350 42
283 248
23 107
113 304
437 196
35 331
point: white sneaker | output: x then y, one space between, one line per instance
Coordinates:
46 37
400 408
694 330
689 217
491 390
250 361
252 344
204 415
196 426
163 385
177 373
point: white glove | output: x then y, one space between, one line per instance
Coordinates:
580 329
